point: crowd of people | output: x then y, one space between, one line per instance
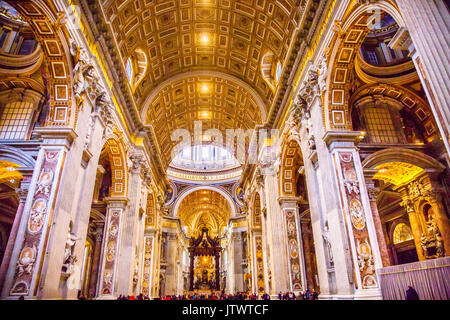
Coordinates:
305 295
138 297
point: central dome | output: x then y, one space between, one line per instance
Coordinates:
204 162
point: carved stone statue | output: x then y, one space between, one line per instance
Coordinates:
25 262
81 62
432 244
69 258
91 123
309 133
326 238
136 274
322 78
293 129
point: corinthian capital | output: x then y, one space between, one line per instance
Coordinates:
138 161
408 204
310 87
373 193
22 193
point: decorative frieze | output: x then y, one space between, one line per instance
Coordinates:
327 242
69 257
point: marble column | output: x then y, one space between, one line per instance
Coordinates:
414 222
435 200
304 223
277 260
335 264
171 270
156 267
111 246
129 258
294 244
22 193
238 256
30 253
94 276
276 237
148 262
429 28
230 265
379 229
356 214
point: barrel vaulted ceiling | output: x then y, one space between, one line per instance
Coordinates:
223 35
218 102
204 208
191 44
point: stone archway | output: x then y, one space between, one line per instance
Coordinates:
352 31
415 178
196 188
52 36
117 158
294 203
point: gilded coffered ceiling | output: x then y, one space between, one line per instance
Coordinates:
223 35
397 173
201 60
219 102
204 208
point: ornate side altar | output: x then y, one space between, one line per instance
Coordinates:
204 245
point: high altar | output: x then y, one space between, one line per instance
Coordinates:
206 248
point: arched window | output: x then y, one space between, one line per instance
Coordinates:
136 68
271 69
401 233
204 157
129 70
278 72
15 120
380 125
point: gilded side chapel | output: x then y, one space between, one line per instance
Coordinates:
186 146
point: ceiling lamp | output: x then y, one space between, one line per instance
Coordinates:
205 88
205 39
205 115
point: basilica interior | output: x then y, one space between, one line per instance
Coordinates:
166 147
